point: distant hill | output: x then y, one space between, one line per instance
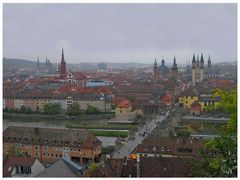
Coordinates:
227 67
10 64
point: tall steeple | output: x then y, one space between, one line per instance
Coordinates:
63 71
155 62
174 62
209 61
155 70
197 61
174 69
193 61
201 61
62 61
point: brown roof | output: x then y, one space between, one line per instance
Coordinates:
190 92
111 168
195 103
50 136
166 145
11 162
160 167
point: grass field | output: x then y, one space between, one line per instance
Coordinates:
113 133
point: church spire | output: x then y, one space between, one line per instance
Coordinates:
193 61
209 61
155 62
63 70
62 55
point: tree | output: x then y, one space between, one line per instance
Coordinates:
74 109
92 110
92 166
14 151
224 164
28 110
52 108
23 109
183 134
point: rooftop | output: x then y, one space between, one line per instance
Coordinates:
50 136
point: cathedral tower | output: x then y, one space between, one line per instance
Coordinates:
63 71
155 70
174 69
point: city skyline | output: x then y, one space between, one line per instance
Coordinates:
120 32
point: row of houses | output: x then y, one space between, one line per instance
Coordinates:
49 145
38 101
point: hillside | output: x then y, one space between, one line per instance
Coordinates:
10 64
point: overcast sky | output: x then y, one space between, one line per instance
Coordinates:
120 32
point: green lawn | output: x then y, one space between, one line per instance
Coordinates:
110 133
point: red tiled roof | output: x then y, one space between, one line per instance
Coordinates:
124 104
195 103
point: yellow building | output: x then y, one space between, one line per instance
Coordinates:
205 99
188 97
123 108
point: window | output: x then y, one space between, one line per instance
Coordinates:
186 102
162 148
154 148
146 148
184 150
60 155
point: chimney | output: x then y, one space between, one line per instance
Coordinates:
138 165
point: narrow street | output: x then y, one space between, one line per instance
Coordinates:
138 137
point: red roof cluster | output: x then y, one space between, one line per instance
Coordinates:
124 104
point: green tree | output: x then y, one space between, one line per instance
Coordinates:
23 109
74 109
92 166
14 151
224 164
28 110
52 108
183 134
113 106
92 110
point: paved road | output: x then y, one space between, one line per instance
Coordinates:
132 143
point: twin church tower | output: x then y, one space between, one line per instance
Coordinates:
198 69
